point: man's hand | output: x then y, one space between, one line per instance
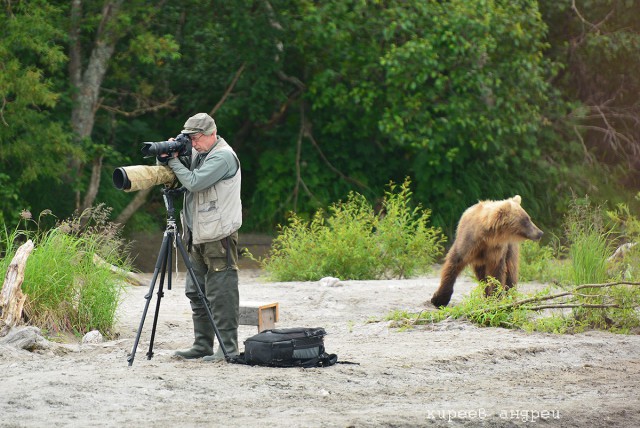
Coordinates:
163 158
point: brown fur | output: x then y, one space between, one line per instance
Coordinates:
488 238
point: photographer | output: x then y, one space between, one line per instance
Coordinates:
211 217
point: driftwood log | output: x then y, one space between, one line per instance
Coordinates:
131 277
28 338
11 297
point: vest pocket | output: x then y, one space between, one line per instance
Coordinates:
207 199
208 225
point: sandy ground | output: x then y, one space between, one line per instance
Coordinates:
451 374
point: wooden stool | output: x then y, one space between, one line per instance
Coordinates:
263 315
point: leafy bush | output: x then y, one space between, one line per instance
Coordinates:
406 242
355 243
69 287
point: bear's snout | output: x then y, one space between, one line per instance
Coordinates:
535 234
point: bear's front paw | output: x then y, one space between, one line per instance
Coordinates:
440 301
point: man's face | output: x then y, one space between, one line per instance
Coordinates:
202 143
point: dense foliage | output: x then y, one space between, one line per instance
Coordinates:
472 100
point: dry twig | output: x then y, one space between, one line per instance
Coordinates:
572 305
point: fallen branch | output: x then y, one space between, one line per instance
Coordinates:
11 297
538 299
493 313
608 284
131 277
572 305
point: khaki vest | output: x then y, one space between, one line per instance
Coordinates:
218 209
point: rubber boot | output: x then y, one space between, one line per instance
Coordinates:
203 341
230 340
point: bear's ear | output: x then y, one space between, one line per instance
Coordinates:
517 199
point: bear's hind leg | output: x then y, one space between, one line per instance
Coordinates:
452 267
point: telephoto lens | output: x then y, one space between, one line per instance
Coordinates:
138 177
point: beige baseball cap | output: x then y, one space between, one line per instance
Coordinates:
200 122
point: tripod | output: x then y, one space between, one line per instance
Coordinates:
163 266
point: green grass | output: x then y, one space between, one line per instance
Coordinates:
67 292
589 242
540 262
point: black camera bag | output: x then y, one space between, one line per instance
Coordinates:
287 347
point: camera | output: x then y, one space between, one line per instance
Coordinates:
181 145
138 177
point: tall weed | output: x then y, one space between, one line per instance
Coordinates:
589 243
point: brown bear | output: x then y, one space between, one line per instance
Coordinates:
488 238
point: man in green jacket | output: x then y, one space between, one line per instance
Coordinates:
211 217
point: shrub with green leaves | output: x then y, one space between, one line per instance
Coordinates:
69 287
353 242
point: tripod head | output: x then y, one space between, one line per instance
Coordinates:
168 195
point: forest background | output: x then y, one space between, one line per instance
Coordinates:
470 99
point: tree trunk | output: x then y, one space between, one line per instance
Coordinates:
86 84
11 297
94 183
136 202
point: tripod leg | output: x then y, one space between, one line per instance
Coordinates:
201 295
166 266
169 262
161 256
